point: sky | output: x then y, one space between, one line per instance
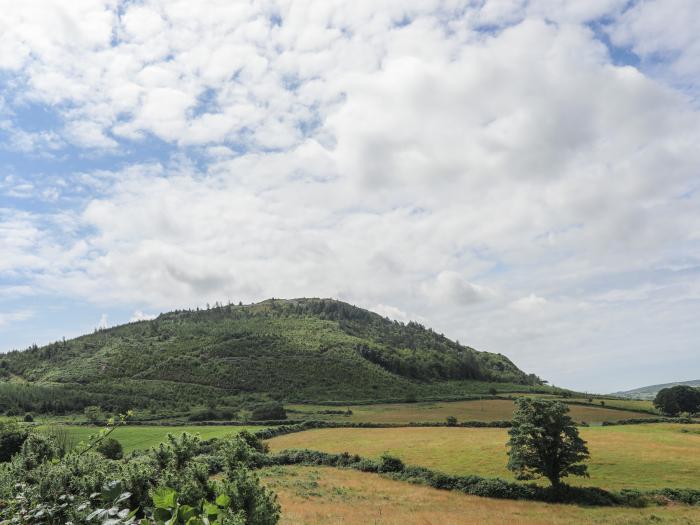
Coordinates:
522 175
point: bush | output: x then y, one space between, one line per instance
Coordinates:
111 448
268 412
451 421
93 414
37 449
388 463
28 418
12 437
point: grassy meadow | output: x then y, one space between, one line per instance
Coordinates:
318 495
143 437
470 410
634 456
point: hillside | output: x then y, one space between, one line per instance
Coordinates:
294 350
649 392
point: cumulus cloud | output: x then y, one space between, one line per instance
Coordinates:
433 160
527 304
138 315
665 35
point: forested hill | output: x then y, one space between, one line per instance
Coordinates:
297 350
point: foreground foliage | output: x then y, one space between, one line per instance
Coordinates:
169 484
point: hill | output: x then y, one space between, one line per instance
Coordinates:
292 350
649 392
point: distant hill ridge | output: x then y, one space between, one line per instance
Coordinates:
299 349
649 392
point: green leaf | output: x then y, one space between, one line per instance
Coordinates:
186 512
223 501
210 509
161 515
164 498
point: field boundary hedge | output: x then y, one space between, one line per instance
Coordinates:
474 485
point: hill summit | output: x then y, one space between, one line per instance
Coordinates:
292 350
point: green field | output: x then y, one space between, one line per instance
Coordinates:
143 437
321 496
472 410
633 456
629 404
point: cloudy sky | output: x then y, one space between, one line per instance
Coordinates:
523 176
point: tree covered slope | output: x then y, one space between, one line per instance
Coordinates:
297 350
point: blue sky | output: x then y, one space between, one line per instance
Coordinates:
521 175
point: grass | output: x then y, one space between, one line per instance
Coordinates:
634 456
144 437
472 410
315 496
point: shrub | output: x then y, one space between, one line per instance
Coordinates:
93 414
37 449
28 418
268 412
451 421
12 437
388 463
111 448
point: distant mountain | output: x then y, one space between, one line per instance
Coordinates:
293 350
649 392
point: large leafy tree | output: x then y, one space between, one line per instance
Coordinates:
680 398
544 442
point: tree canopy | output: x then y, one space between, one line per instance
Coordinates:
680 398
544 442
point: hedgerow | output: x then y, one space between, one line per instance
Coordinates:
480 486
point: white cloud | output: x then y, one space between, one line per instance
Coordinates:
103 322
431 169
7 318
666 35
451 288
138 315
531 303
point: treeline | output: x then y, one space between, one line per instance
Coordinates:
163 399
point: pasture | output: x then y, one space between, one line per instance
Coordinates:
634 456
143 437
471 410
323 495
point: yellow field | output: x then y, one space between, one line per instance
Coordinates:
328 496
474 410
634 456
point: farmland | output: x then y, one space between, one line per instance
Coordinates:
635 456
315 496
144 437
470 410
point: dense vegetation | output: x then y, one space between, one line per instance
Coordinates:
240 356
44 485
678 399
